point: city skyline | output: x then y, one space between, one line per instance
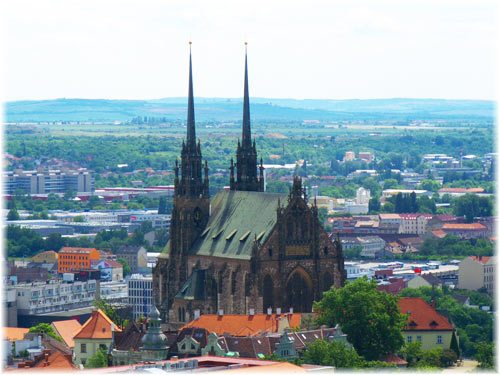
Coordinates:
132 50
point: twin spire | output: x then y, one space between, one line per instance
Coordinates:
191 183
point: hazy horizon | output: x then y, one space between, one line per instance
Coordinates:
356 49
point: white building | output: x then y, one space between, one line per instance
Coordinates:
362 196
54 295
140 294
477 272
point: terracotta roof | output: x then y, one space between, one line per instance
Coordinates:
422 316
472 226
243 325
480 259
14 333
389 216
66 329
438 233
97 327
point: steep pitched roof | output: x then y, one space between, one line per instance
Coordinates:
237 218
97 327
431 279
66 329
130 337
14 333
422 316
194 287
243 325
54 361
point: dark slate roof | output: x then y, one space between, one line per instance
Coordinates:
128 249
237 217
194 287
130 338
431 279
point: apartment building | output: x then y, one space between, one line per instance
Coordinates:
76 258
49 181
54 295
477 272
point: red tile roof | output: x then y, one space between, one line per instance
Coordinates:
422 316
56 361
66 329
97 327
14 333
243 325
439 233
481 259
472 226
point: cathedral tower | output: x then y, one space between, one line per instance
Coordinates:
246 153
191 208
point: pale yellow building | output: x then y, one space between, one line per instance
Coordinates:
97 332
425 324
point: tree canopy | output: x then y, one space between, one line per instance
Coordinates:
370 318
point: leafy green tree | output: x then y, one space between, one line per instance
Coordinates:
412 353
334 353
109 310
162 206
370 318
454 345
78 219
69 195
99 360
374 204
484 355
429 185
471 206
13 215
126 268
47 329
391 183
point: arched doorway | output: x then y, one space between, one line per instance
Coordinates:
299 291
268 293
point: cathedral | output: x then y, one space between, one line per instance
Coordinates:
243 249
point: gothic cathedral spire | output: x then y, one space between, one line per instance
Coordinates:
191 183
246 153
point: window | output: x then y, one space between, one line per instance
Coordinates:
103 347
83 348
419 338
408 339
440 339
84 361
192 347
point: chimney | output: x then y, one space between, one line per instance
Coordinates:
221 312
433 304
408 312
269 311
291 310
278 311
252 312
196 314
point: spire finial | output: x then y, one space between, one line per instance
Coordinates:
191 133
246 141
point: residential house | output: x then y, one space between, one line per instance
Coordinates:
428 280
424 324
96 333
476 272
66 330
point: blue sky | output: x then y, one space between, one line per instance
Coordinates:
316 49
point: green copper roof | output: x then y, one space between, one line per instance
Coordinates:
194 287
237 217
